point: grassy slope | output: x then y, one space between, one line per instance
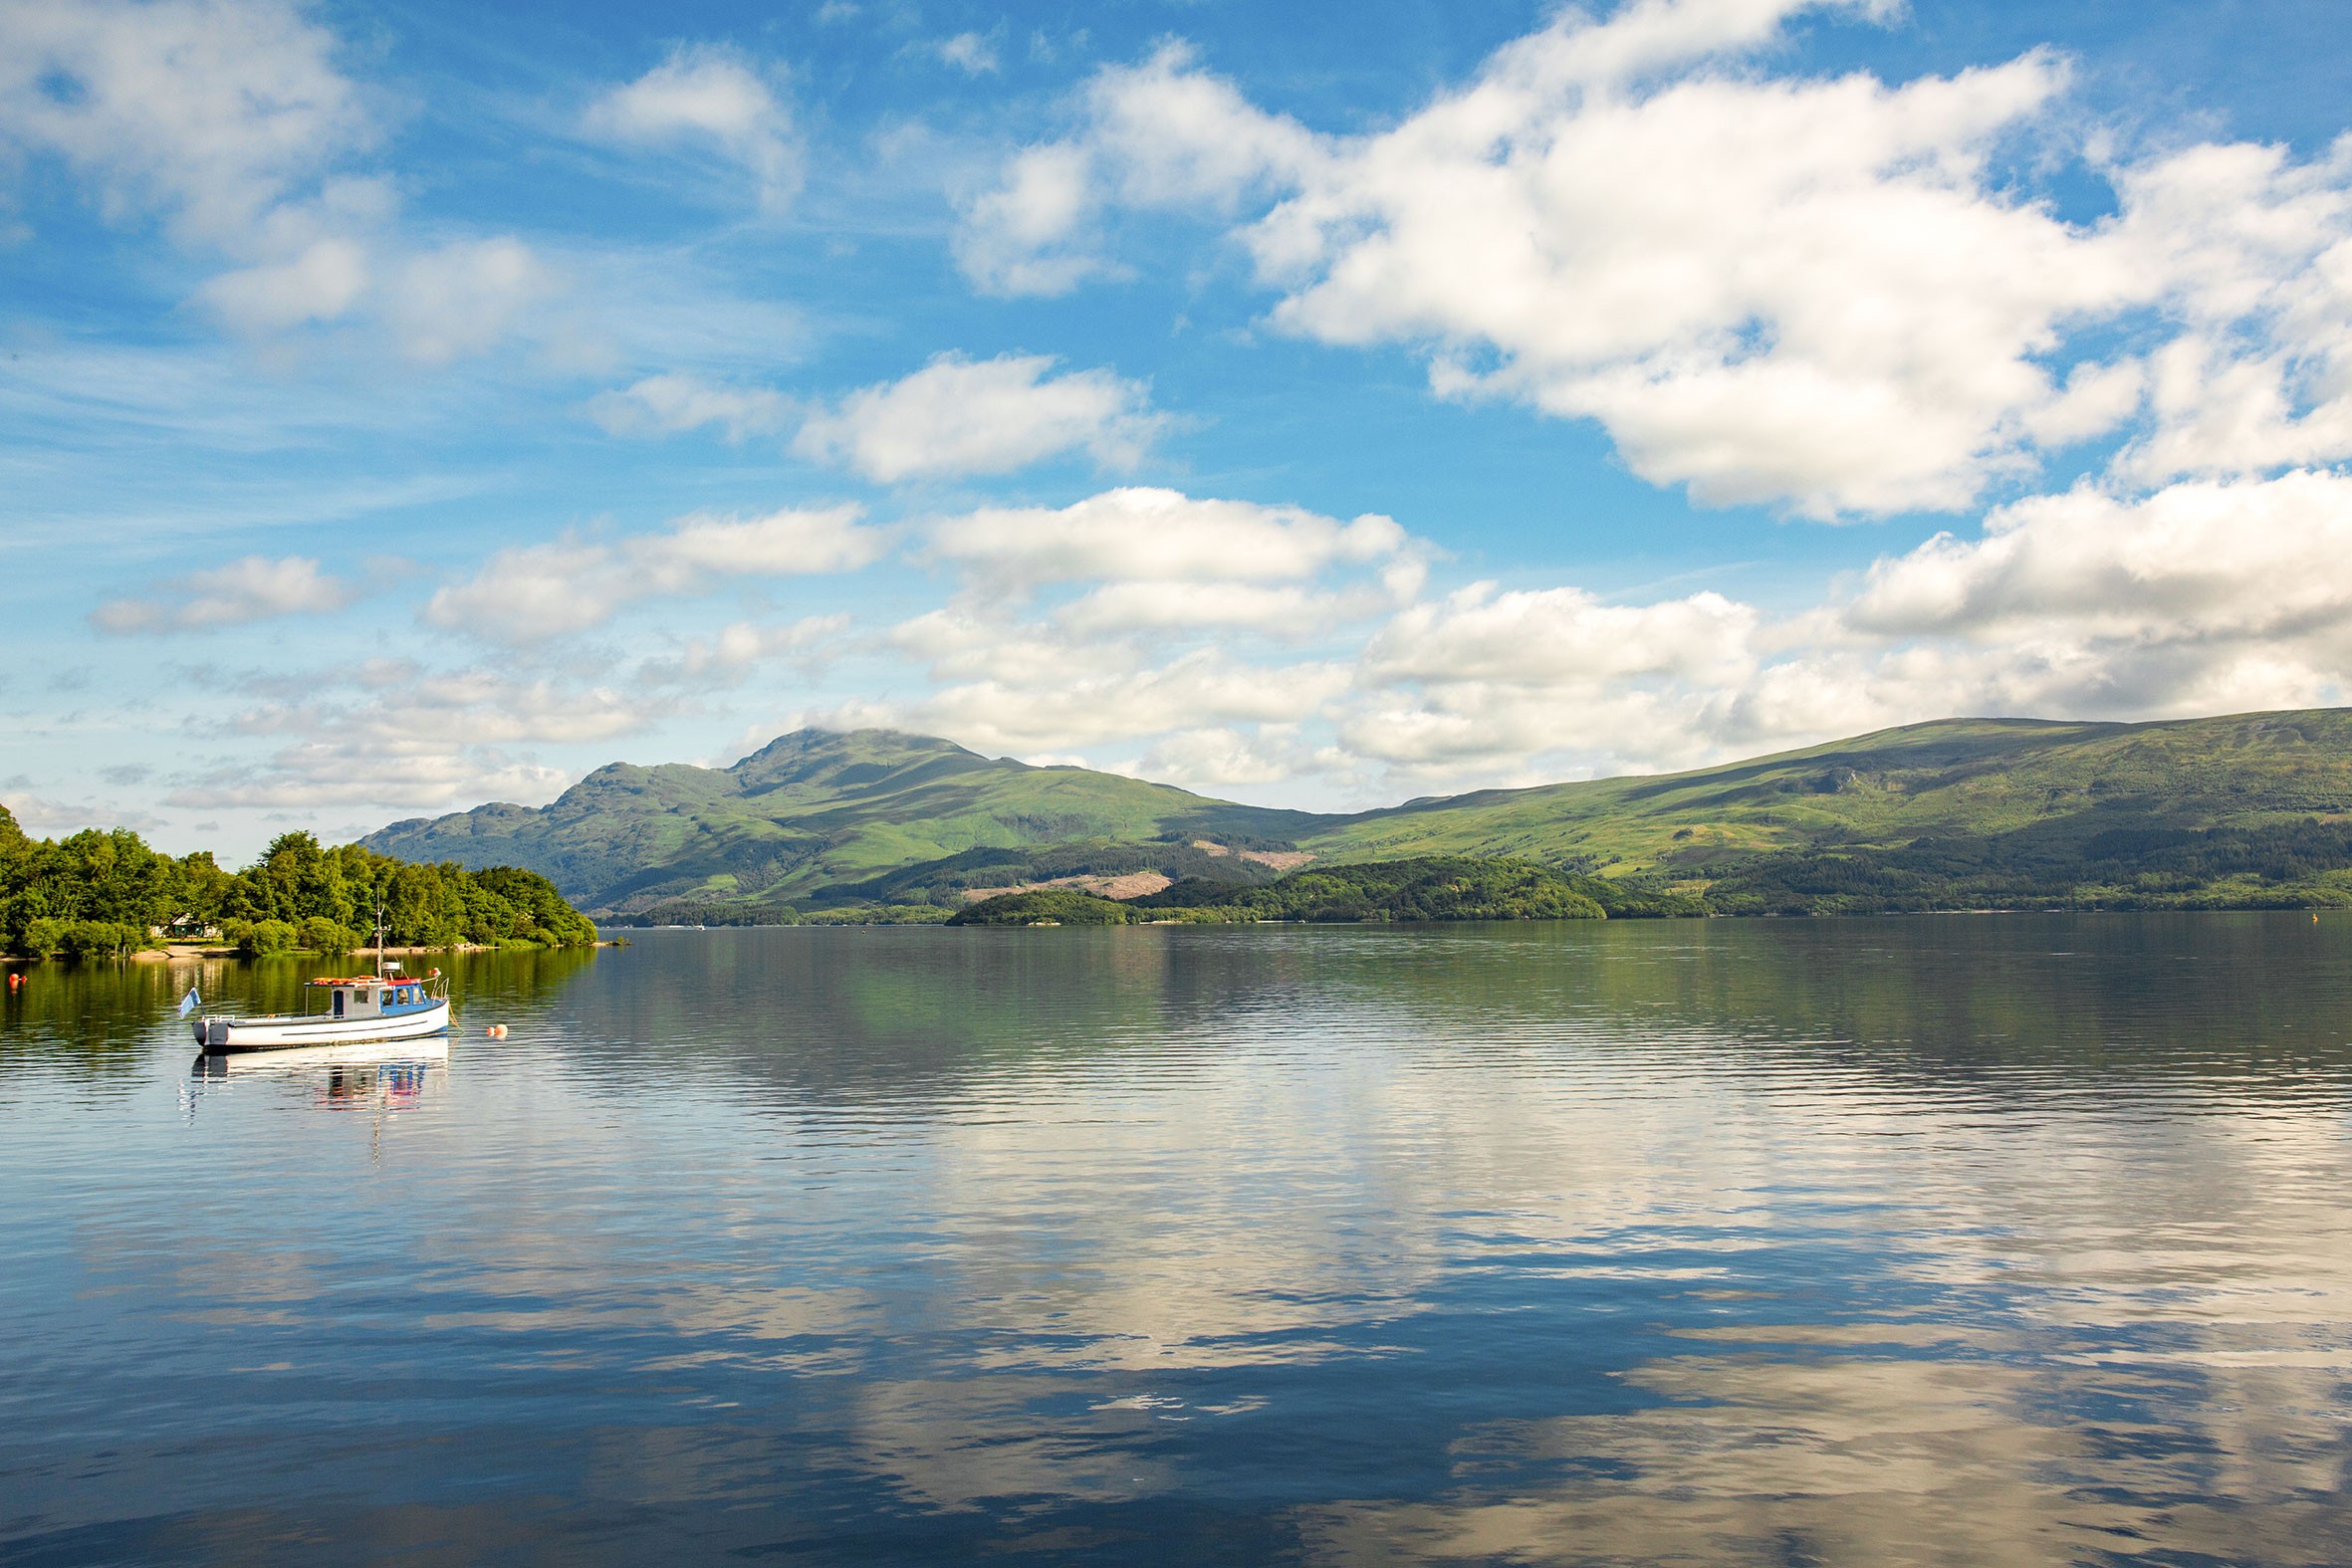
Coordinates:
1955 777
809 811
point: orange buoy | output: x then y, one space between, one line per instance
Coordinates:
14 980
496 1031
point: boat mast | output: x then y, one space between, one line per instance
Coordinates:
379 933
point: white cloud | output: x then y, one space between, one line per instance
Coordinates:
1832 293
1483 678
43 817
1158 135
2207 597
1015 238
959 417
1084 705
742 646
1548 636
230 120
674 403
213 113
253 589
711 98
426 743
536 591
464 296
2259 251
1285 610
318 285
2205 594
1221 756
974 53
1159 535
1190 619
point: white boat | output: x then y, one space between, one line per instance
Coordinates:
384 1006
359 1008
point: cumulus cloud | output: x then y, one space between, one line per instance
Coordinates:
463 298
212 112
974 53
675 403
742 646
253 589
1087 704
1828 294
1483 676
2259 251
230 123
959 417
709 99
536 592
1163 133
318 283
1141 612
1161 536
2205 596
42 816
1221 757
426 742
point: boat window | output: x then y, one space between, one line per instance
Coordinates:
362 993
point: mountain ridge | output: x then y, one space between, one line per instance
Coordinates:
825 818
811 810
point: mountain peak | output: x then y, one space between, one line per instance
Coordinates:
811 756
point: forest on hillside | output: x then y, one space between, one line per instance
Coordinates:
1437 888
97 893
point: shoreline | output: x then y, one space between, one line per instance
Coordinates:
195 952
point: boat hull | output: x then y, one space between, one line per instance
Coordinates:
287 1034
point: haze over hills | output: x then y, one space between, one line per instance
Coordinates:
1963 812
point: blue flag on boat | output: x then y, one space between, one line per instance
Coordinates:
190 1002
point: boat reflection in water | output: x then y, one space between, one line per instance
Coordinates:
379 1076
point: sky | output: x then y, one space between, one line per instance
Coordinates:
405 406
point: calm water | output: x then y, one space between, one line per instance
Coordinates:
1977 1241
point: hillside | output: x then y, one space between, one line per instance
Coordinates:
1958 813
819 818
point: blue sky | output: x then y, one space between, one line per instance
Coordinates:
406 407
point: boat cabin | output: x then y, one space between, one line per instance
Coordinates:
374 995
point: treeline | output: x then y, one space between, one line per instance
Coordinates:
702 912
1436 888
98 894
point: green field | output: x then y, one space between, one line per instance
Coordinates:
2245 810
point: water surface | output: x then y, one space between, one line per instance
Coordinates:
2007 1239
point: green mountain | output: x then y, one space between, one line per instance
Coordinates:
817 819
2249 809
1957 813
